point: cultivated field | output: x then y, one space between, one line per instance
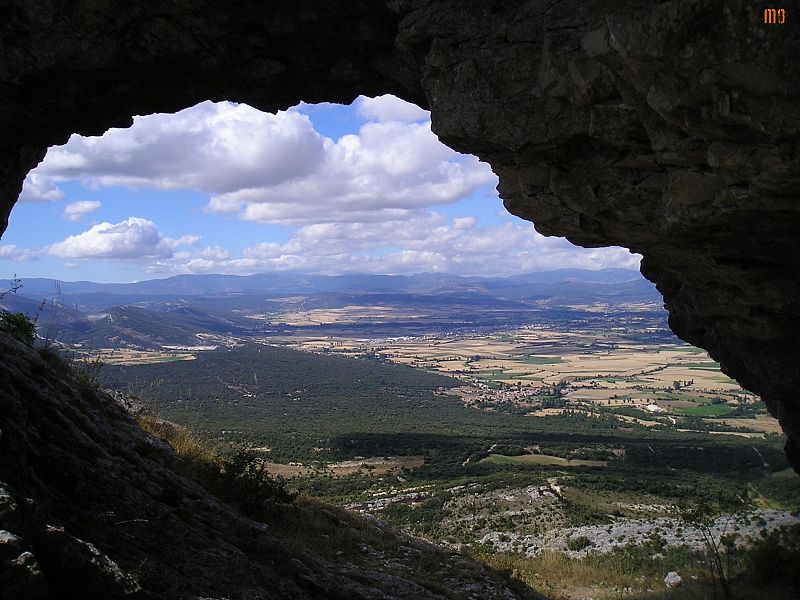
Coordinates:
122 356
541 459
374 466
613 370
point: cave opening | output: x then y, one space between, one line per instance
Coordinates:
698 182
610 124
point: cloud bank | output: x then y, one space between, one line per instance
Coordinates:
133 238
75 211
366 201
276 168
428 243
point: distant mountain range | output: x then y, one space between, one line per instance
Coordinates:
276 284
150 314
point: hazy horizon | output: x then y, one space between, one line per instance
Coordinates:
17 276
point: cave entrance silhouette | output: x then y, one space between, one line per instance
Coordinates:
635 126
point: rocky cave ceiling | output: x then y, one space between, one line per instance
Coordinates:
671 128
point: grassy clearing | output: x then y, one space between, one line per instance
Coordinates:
125 357
497 376
374 467
705 410
766 570
196 456
541 360
603 577
686 397
541 459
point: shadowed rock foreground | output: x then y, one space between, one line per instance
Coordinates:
92 508
670 128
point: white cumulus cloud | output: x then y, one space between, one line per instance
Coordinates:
133 238
75 211
40 188
387 171
275 168
429 242
215 148
389 108
12 252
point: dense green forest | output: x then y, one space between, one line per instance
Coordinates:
315 408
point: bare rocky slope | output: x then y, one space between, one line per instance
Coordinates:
671 128
91 507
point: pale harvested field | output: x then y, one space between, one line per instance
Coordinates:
404 360
346 314
287 471
591 395
644 422
547 412
377 466
521 382
501 364
541 459
139 357
450 366
763 423
745 434
785 474
597 365
374 466
633 307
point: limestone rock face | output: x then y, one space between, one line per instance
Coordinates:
670 128
673 580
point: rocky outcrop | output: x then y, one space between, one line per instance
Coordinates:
670 128
91 507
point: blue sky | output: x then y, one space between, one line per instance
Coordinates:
223 188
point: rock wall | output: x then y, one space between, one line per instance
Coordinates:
671 128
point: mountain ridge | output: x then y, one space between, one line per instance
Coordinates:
156 312
199 284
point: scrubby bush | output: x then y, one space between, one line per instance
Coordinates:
83 370
245 482
578 543
776 558
19 326
238 477
56 360
510 450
